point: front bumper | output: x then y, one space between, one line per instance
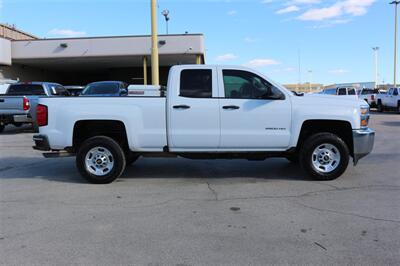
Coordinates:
363 142
41 143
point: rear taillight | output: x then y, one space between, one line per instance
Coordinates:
25 104
41 115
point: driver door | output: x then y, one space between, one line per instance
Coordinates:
249 121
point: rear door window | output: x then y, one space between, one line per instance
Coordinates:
196 83
25 89
342 91
352 91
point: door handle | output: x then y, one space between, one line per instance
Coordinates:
230 107
183 106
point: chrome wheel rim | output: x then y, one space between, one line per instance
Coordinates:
99 161
325 158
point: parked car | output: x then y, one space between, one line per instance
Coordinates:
106 88
208 112
389 101
341 91
74 90
18 104
368 95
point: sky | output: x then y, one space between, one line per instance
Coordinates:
332 38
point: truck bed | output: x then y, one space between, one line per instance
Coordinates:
143 117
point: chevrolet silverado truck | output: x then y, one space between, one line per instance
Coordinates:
18 104
206 112
389 100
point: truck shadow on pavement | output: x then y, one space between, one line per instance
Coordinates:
64 170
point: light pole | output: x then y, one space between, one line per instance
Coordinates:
395 3
310 72
154 44
165 13
376 50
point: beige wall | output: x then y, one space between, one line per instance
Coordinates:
5 52
8 32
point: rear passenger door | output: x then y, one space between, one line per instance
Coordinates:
193 110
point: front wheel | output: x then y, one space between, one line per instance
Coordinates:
2 128
100 160
324 156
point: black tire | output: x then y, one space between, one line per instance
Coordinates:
380 107
2 128
17 124
131 157
312 143
118 159
398 107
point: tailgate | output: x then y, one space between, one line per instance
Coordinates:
12 105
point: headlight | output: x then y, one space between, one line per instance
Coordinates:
364 118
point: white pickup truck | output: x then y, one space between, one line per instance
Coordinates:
206 112
389 100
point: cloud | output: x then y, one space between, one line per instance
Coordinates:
339 71
288 9
66 33
256 63
249 40
232 13
343 7
303 2
226 57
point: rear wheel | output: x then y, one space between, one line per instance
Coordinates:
324 156
398 107
2 128
100 160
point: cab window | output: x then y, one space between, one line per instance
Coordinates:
342 91
240 84
351 91
395 92
196 83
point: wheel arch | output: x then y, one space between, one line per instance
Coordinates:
85 129
341 128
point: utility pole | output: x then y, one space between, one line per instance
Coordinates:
309 85
376 50
154 45
395 3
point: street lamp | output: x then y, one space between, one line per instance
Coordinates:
395 42
310 72
376 50
165 13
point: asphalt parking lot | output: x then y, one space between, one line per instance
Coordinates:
183 212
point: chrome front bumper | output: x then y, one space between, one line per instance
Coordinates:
363 142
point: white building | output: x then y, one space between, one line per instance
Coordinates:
78 61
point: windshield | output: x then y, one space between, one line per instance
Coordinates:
101 88
367 91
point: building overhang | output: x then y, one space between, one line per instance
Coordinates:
105 52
